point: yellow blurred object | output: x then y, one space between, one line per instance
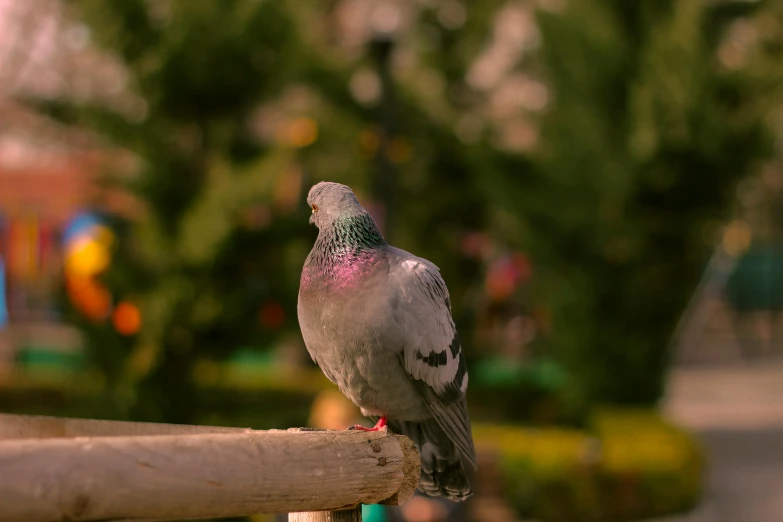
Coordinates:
126 318
86 257
641 440
737 238
556 450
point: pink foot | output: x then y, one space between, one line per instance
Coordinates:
378 426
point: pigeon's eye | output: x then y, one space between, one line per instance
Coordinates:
315 207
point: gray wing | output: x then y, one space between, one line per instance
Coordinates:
432 354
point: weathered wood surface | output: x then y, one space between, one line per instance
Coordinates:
347 515
40 427
198 475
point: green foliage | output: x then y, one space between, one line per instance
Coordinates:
197 70
203 75
641 152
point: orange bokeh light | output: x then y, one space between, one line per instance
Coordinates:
301 132
126 318
88 296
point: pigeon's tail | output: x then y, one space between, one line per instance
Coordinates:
442 473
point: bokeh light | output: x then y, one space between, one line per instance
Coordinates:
126 318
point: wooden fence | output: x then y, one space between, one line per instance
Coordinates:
54 469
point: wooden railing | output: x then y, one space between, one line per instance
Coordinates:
54 469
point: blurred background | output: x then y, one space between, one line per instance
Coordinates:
600 182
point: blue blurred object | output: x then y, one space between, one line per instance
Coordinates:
3 307
80 224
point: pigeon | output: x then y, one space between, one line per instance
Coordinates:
377 321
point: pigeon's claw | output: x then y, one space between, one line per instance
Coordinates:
378 426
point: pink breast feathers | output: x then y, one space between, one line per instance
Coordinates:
348 272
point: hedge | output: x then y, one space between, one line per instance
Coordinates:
628 465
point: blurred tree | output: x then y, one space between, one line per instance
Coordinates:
199 260
237 108
642 148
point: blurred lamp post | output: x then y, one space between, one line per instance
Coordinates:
385 22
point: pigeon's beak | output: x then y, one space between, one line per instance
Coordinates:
312 219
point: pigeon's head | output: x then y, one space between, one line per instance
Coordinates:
332 201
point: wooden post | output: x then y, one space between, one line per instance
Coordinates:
50 472
346 515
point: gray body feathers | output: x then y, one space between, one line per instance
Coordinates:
377 320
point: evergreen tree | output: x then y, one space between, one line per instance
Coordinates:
645 142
